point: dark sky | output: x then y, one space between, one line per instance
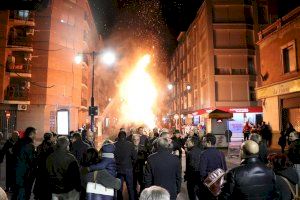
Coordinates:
177 13
164 18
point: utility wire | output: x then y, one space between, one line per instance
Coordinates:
34 83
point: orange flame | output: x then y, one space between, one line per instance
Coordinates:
138 94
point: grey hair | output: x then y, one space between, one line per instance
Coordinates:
255 137
135 135
163 142
155 193
62 142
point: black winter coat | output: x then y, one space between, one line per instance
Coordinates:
125 155
291 175
251 180
294 152
25 161
210 160
79 149
193 163
164 169
63 171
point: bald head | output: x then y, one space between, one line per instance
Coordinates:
249 148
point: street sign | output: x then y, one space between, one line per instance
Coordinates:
93 111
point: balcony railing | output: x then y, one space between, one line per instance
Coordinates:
21 41
25 15
19 68
83 102
17 92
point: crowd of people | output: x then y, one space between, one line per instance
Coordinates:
148 162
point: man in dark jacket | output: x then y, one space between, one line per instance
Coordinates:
79 147
178 143
138 168
294 151
125 156
263 149
63 170
194 150
41 187
25 164
252 179
7 151
163 169
210 160
88 137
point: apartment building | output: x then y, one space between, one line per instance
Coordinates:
279 90
215 64
38 75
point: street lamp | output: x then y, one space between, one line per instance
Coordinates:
170 86
108 57
188 87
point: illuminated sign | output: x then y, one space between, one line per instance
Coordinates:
62 122
239 110
278 89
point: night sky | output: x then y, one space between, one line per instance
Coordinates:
162 18
176 13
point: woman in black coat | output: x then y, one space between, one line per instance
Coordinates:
283 169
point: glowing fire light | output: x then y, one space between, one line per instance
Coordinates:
139 95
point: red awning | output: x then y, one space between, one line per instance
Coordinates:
247 109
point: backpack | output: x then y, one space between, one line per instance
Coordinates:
295 193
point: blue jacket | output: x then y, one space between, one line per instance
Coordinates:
108 161
210 160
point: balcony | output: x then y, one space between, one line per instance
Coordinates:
19 64
19 70
21 17
17 93
21 41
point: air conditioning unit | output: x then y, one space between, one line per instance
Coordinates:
30 31
22 107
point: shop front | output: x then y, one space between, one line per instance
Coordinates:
281 105
235 123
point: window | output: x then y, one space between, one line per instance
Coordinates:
251 67
239 71
288 53
23 14
262 14
222 71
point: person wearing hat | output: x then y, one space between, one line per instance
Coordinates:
252 179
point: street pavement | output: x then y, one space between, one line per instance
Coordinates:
232 161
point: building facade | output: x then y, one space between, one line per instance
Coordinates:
215 65
279 90
41 85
